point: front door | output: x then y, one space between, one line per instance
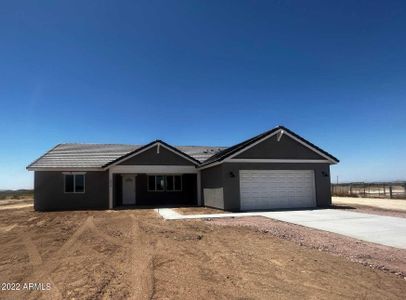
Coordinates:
128 189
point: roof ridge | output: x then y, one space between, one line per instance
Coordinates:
101 144
201 146
123 144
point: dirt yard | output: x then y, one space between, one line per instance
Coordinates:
135 254
198 210
16 203
392 204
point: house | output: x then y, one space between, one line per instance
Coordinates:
273 170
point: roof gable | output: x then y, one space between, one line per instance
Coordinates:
157 155
158 144
243 146
279 148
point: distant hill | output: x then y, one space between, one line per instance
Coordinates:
16 194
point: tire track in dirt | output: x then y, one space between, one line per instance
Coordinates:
141 264
36 260
43 270
104 235
8 228
33 254
67 246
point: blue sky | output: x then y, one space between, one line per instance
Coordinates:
204 72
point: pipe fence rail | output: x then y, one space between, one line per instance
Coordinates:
392 190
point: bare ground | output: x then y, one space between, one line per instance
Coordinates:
372 210
375 256
135 254
198 210
383 203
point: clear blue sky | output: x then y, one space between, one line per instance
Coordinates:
204 72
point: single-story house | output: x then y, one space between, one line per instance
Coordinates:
277 169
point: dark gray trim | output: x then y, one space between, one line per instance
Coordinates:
220 156
151 157
285 148
196 162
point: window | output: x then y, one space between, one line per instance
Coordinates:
74 183
178 183
168 183
151 183
160 183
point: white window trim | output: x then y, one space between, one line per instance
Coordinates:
156 184
74 182
165 178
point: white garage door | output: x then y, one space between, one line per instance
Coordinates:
274 189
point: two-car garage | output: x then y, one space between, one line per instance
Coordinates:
276 189
274 170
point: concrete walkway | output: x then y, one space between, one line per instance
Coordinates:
389 231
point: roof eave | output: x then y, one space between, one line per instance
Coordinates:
66 169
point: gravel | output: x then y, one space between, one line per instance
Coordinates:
372 255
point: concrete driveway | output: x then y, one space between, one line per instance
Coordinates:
389 231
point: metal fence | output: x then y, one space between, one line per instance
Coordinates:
395 190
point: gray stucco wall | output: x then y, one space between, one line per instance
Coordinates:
232 184
212 187
151 157
49 192
226 176
286 148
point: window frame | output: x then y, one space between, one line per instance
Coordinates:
148 187
165 179
74 182
156 183
174 184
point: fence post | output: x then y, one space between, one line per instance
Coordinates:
390 191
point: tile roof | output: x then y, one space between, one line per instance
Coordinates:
98 155
201 153
101 155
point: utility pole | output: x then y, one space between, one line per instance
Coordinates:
337 179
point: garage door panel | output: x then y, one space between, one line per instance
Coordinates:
273 189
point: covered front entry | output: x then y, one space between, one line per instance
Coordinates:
154 187
128 189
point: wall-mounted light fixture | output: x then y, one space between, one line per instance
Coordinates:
325 174
232 175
